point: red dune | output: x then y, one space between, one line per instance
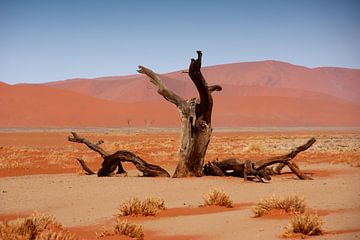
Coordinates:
269 75
40 106
262 111
265 93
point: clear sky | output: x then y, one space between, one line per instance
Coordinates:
53 40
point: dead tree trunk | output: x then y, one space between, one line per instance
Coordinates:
195 116
260 169
113 161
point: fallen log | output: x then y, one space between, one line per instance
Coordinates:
113 161
261 169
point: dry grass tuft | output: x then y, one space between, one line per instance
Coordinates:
304 224
151 206
290 204
129 229
218 198
148 207
125 228
35 227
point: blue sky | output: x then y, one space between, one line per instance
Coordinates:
53 40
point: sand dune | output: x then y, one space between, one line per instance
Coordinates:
40 106
265 93
271 75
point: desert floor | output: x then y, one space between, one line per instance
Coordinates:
39 172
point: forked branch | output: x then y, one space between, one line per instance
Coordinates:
283 159
162 88
204 108
93 146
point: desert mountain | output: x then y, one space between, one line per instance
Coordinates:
267 93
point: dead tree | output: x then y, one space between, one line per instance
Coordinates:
195 116
113 161
260 169
196 130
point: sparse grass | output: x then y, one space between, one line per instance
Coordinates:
129 229
125 228
35 227
218 198
290 204
304 224
151 206
147 207
254 147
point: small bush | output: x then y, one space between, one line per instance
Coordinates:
148 207
35 227
125 228
151 206
291 204
130 207
129 229
51 235
304 224
218 198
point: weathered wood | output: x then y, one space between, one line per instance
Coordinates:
163 90
260 169
286 157
93 146
113 161
195 117
85 167
236 168
148 170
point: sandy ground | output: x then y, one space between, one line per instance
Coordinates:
85 204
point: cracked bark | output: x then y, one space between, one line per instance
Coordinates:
195 117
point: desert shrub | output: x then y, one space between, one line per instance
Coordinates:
291 204
129 229
304 224
60 235
35 227
151 206
218 198
148 207
125 228
131 206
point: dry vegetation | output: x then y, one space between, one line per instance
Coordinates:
50 149
290 204
35 227
304 224
132 230
218 198
148 207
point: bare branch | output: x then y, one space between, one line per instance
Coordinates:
85 167
215 88
204 109
92 146
283 159
149 170
162 88
297 171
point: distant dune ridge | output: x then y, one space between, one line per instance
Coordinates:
255 94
